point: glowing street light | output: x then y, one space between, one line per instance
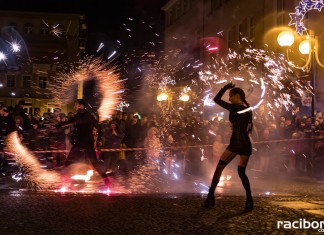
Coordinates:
184 97
286 38
305 47
162 97
308 47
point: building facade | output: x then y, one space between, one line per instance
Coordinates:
193 24
32 45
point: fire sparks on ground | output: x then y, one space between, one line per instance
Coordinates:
33 174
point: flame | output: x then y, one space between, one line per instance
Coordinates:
85 177
34 175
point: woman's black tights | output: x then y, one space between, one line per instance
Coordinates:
216 177
210 200
245 181
241 172
246 185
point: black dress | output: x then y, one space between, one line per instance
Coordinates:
240 142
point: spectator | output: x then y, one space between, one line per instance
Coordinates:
112 140
152 146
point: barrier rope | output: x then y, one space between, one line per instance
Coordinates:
177 147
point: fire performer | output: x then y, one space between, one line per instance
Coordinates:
240 117
82 138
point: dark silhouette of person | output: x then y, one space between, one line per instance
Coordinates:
82 138
240 117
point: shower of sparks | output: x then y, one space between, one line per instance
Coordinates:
101 45
208 101
107 76
57 30
262 74
35 177
45 23
111 55
154 176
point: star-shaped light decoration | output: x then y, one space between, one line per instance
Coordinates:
295 18
319 5
309 4
300 28
303 7
121 105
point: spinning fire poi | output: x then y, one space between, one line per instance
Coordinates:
111 88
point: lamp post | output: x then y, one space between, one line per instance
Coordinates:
168 97
309 46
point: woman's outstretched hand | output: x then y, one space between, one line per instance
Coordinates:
229 86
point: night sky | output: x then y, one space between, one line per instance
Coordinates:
100 18
107 24
110 25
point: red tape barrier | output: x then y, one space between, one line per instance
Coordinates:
178 147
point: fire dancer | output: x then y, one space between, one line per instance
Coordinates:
240 117
82 138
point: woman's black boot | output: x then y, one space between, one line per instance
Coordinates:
248 205
210 201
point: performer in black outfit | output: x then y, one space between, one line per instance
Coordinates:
82 138
240 117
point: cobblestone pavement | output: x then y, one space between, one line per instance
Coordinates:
27 212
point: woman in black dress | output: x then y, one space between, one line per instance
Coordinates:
240 117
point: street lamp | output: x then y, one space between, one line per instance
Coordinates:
162 97
184 97
309 47
168 97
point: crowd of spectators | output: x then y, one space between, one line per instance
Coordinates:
283 144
